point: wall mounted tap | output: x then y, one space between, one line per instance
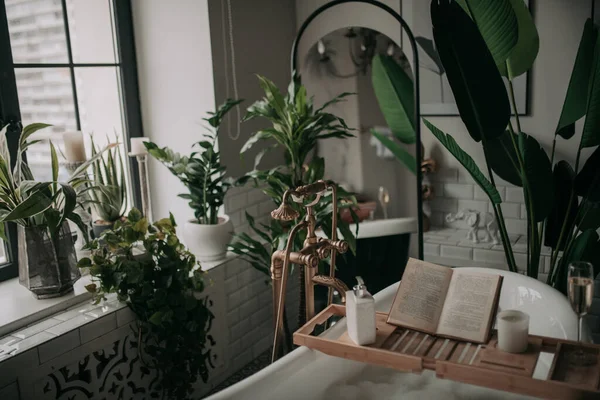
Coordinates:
313 250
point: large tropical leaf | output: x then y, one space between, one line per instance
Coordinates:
587 182
502 157
525 51
538 171
428 46
450 144
394 91
497 23
577 92
35 204
401 153
472 73
591 128
564 209
589 216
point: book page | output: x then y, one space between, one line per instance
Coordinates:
420 298
469 304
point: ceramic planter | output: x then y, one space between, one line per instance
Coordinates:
101 226
208 242
47 268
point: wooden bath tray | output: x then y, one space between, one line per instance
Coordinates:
482 365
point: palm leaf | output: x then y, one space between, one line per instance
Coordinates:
472 73
497 23
525 51
450 144
576 99
394 91
591 128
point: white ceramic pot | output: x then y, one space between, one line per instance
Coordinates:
208 242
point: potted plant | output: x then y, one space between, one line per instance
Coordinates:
208 234
477 50
297 127
47 261
106 188
163 287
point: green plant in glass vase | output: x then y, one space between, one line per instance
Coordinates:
41 211
296 128
208 234
480 42
163 287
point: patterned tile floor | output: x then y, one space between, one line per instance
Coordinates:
251 368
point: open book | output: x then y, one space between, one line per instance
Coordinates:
446 302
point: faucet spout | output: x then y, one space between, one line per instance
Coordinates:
331 282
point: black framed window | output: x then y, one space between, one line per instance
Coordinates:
70 63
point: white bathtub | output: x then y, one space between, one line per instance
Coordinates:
305 374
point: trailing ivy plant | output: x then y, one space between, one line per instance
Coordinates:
296 128
201 172
163 287
480 42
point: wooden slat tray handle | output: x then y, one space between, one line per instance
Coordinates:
483 365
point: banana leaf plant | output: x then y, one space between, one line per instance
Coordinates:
28 202
296 127
480 42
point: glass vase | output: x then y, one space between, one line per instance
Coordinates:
47 267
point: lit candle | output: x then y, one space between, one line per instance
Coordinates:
74 147
513 331
137 147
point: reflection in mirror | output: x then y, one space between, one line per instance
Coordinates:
378 164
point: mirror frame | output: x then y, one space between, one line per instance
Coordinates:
417 111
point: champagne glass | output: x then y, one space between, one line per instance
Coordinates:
580 286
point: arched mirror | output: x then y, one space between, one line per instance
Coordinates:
377 164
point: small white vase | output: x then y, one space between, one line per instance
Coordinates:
208 242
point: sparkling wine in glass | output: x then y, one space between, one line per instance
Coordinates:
580 287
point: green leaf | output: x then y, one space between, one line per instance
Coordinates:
525 51
564 208
156 318
401 154
30 130
476 83
258 136
502 157
394 91
450 144
35 204
538 171
591 128
587 182
54 159
497 23
429 48
590 216
576 98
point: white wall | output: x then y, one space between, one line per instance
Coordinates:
175 73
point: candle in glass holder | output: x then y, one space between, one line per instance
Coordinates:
74 147
137 147
513 331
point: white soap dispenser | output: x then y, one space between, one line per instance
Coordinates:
360 314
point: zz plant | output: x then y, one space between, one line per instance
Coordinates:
163 287
478 48
201 172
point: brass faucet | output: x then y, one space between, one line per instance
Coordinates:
314 249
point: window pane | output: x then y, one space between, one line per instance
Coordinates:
99 100
45 95
37 31
91 28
